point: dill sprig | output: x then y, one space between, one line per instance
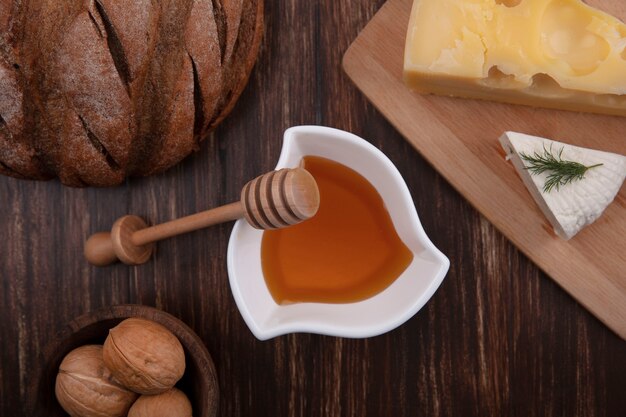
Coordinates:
561 172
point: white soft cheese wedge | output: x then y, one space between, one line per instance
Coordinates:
579 203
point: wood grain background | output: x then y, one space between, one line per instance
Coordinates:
498 338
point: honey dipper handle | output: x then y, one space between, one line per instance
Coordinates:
105 248
99 249
131 240
276 199
207 218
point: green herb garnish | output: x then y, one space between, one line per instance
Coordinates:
561 172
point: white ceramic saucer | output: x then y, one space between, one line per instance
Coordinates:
379 314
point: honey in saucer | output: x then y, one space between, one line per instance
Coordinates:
349 251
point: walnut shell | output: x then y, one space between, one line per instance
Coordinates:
172 403
85 388
94 91
144 356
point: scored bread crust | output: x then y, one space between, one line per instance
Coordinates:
94 91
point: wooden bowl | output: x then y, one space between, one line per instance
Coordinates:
199 381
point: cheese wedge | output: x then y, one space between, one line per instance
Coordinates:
579 203
548 53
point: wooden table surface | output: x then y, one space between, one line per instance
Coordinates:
498 337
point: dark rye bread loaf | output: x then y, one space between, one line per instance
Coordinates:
93 91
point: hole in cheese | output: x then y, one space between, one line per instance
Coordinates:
565 36
548 86
509 3
498 79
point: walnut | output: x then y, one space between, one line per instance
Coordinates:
85 387
172 403
144 356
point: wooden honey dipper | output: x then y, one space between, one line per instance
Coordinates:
273 200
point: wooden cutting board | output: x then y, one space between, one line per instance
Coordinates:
459 137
